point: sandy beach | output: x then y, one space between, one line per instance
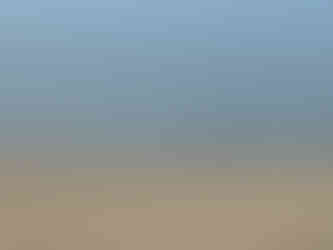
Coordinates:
177 208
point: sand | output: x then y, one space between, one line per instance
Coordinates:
178 208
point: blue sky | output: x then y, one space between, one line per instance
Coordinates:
229 71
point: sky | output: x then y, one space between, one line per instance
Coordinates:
217 72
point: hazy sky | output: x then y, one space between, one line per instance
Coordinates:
221 71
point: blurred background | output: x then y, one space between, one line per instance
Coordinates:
214 107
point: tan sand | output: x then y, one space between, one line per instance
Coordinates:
150 209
